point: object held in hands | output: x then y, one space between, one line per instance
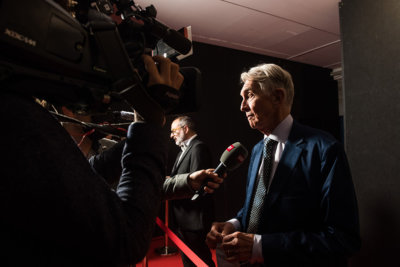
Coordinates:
232 158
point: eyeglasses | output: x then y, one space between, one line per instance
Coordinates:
175 130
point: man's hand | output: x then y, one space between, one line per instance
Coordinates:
166 72
197 179
161 72
238 246
217 233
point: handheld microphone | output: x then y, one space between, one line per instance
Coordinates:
232 158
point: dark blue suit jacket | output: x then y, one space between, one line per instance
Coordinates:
310 215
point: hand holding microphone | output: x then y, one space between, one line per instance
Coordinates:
232 158
206 179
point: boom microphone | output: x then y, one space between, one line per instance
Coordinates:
125 115
232 158
177 41
116 129
171 37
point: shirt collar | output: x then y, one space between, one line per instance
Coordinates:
281 132
187 142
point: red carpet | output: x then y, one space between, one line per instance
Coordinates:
154 259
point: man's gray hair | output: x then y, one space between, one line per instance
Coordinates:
270 77
186 121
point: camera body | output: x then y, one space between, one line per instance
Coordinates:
49 54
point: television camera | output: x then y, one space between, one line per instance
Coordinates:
79 56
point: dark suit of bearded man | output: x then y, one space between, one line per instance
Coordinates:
191 220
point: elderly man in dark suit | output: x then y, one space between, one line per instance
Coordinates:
300 207
191 219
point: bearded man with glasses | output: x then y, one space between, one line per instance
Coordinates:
191 220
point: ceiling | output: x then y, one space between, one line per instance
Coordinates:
305 31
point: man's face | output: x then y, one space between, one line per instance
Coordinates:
177 133
259 108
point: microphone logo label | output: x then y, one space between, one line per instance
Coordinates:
230 148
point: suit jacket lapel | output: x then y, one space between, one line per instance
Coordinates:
175 167
254 166
290 156
178 162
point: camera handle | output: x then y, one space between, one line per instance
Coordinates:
128 85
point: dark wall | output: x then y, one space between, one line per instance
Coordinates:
371 63
221 122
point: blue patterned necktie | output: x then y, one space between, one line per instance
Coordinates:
262 185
